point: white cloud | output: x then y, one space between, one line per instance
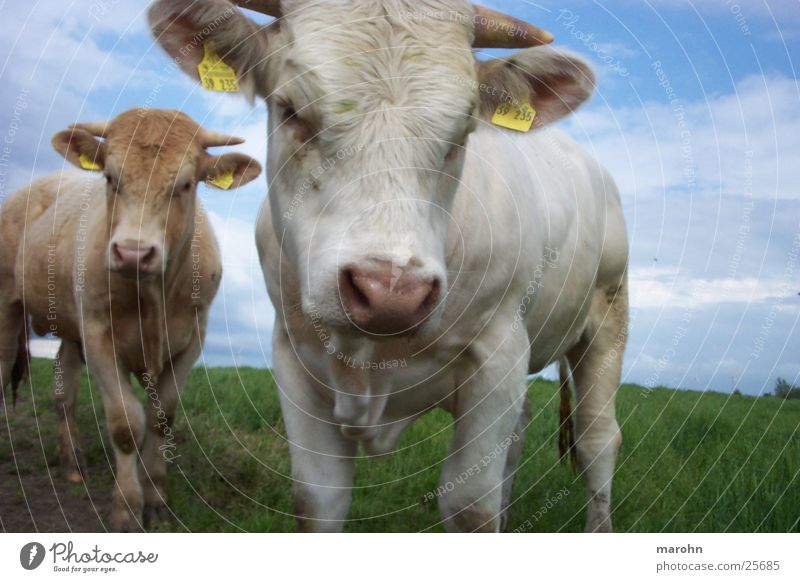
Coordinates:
667 289
745 142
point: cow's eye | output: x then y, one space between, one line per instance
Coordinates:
183 187
289 114
111 182
453 152
290 119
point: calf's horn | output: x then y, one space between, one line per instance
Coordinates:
96 128
268 7
210 139
494 29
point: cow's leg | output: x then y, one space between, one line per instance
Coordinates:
596 364
159 444
12 324
489 403
323 460
512 462
66 381
125 421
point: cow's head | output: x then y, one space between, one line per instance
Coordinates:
371 103
152 161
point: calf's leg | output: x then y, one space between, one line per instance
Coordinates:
596 363
12 326
66 381
126 425
159 445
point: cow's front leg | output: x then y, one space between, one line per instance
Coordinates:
66 381
159 445
490 402
125 423
323 460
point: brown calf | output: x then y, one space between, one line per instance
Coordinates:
124 270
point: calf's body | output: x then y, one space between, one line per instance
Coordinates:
123 270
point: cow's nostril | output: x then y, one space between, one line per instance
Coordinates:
149 256
380 298
351 292
431 299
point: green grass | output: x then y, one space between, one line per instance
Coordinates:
690 461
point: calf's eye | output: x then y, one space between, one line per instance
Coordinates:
183 187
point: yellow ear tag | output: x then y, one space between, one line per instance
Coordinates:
516 117
223 181
88 164
215 75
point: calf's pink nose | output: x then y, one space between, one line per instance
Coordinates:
134 256
384 299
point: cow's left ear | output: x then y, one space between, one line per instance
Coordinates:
553 82
80 148
184 29
230 171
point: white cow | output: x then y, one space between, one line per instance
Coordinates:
417 254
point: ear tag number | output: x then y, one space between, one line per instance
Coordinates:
223 181
88 163
516 117
215 75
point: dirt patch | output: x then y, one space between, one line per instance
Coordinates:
33 496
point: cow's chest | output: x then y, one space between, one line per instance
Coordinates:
148 336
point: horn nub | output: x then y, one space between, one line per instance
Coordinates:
96 128
268 7
494 29
211 139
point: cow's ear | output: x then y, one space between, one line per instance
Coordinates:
230 170
81 149
195 32
554 83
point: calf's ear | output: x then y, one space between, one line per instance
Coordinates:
81 148
188 29
553 82
230 171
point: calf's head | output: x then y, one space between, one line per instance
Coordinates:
152 161
371 103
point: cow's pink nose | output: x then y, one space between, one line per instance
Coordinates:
384 299
132 256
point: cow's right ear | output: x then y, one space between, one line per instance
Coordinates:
80 148
195 32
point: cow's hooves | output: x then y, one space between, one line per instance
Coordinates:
156 515
72 476
125 522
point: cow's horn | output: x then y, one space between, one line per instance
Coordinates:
269 7
497 30
96 128
210 139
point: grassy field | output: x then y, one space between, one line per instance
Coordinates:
690 462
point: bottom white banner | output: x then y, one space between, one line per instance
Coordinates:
388 557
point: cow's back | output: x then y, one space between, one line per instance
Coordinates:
61 209
19 211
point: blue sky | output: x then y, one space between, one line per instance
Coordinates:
697 115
